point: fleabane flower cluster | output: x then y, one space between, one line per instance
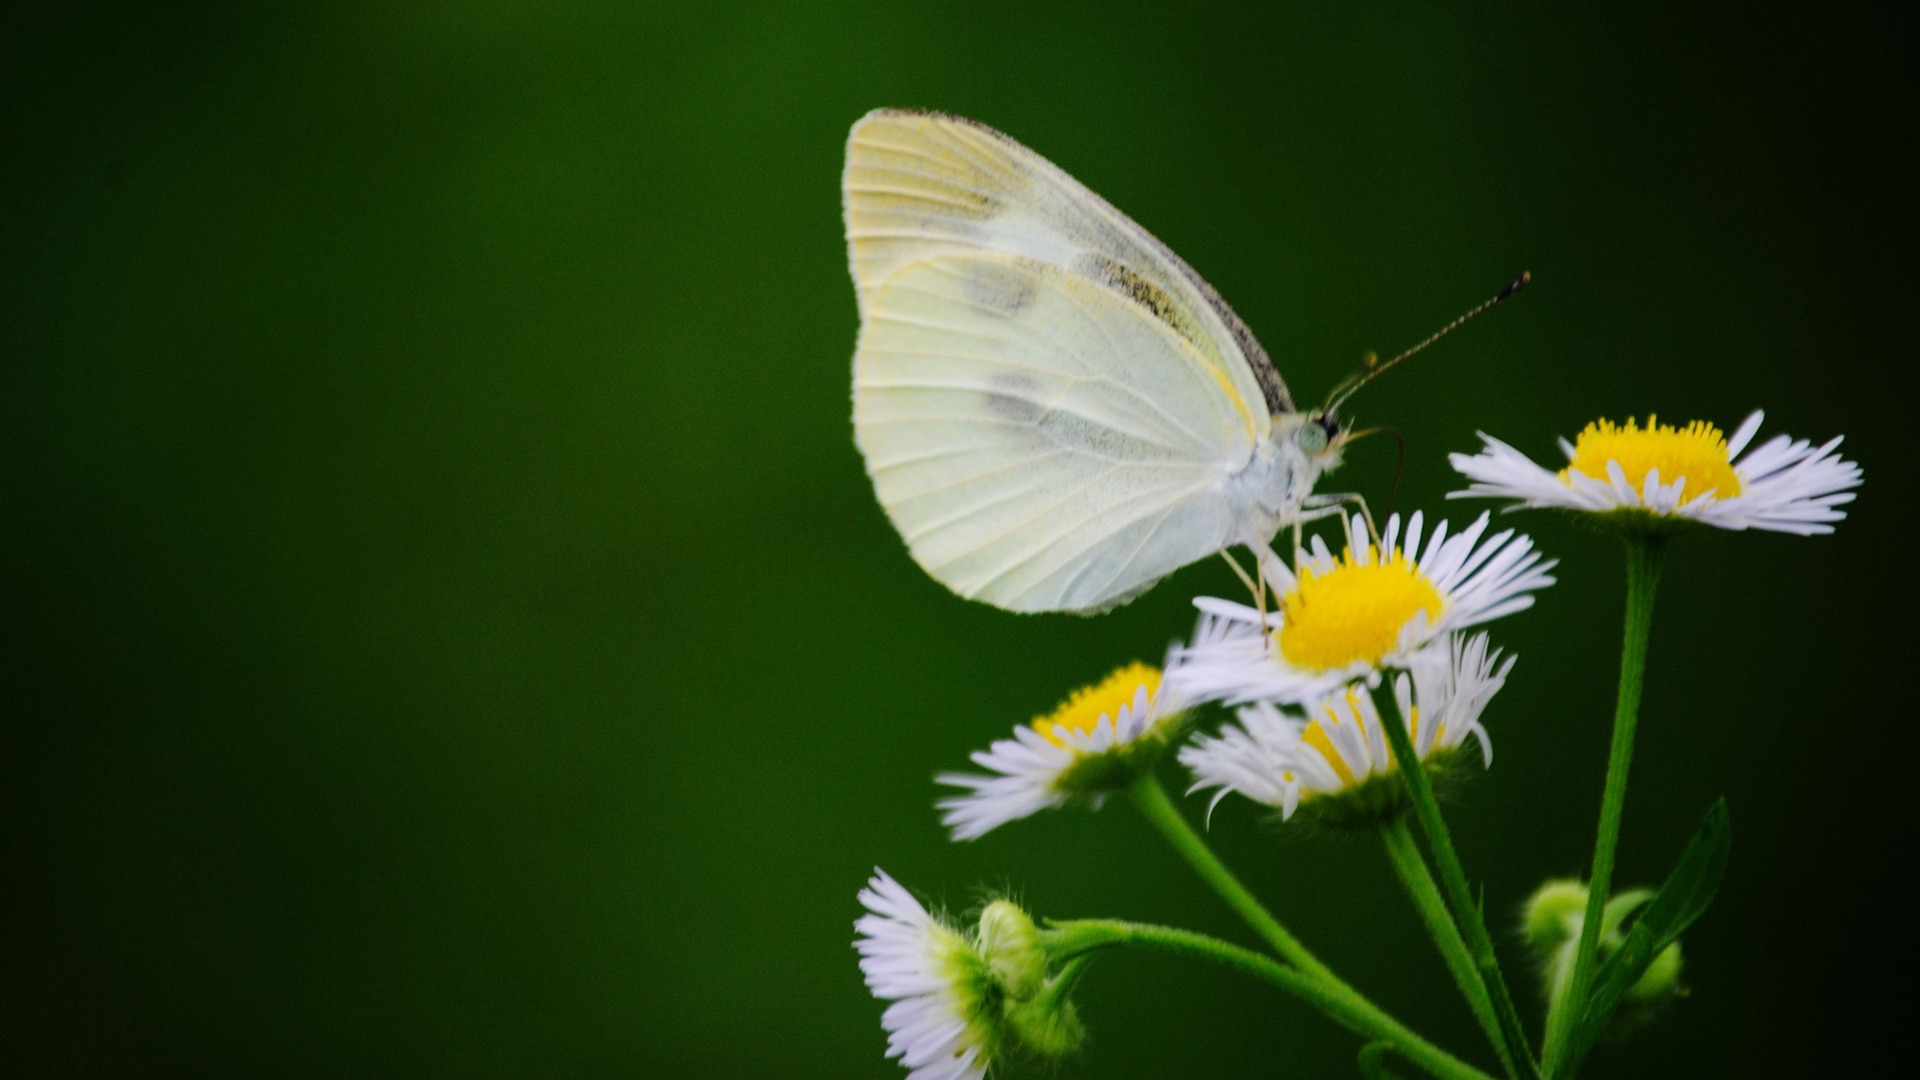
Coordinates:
1330 758
940 1023
1093 744
1355 685
1349 617
960 999
1660 474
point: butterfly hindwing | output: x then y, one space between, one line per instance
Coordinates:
1040 441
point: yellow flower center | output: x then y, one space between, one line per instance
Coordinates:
1081 712
1316 736
1353 612
1697 452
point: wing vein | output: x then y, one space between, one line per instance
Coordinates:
1173 501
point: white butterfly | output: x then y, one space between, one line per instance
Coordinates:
1055 409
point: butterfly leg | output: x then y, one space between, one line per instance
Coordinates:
1306 517
1256 583
1253 588
1320 506
1325 507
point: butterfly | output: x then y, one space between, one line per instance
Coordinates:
1056 411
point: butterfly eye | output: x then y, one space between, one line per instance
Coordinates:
1313 436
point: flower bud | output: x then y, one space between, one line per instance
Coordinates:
1660 981
1010 944
1046 1024
1036 1008
1553 914
1552 922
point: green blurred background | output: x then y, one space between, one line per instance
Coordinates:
453 632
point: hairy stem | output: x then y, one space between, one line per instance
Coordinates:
1151 798
1357 1014
1645 556
1466 911
1412 869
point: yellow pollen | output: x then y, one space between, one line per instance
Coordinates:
1083 709
1353 612
1413 729
1316 736
1697 452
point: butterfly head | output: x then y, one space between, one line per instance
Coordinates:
1281 475
1320 434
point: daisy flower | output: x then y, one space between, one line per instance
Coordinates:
1333 755
942 1024
1344 618
1693 473
1094 743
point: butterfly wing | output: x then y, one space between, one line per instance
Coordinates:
920 184
1041 440
1049 400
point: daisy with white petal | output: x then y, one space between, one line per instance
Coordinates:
1345 618
1660 472
942 1023
1333 757
1093 744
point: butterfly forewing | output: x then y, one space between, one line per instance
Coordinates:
1050 402
919 184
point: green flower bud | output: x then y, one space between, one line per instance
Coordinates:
1047 1024
1033 1007
1661 980
1010 944
1552 922
1553 915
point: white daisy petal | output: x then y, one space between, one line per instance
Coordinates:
1782 485
1335 744
1037 769
931 974
1343 619
1743 434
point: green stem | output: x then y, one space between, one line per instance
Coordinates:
1418 880
1067 939
1645 556
1466 911
1153 802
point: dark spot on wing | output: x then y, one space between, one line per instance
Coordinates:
1073 432
1012 399
981 204
1161 305
1001 288
1129 283
1272 387
1021 400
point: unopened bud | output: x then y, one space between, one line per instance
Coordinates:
1660 981
1036 1007
1553 914
1010 943
1047 1024
1553 918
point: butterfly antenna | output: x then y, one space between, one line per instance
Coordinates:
1399 465
1374 368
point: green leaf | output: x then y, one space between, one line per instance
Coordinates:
1684 898
1373 1061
